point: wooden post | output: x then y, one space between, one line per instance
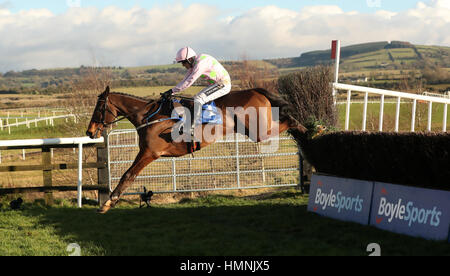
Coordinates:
103 173
301 173
47 174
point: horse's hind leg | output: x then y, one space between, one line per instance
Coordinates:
141 161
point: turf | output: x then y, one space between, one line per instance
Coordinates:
272 225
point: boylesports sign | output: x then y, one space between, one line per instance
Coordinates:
411 211
400 209
340 198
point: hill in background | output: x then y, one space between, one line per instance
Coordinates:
395 55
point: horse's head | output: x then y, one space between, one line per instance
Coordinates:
102 117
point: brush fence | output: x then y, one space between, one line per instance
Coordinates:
234 162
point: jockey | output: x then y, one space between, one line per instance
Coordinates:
205 67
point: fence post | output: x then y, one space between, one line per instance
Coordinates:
47 174
80 176
103 173
238 173
301 173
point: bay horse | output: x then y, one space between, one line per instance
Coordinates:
154 139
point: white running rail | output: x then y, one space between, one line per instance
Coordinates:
399 95
59 141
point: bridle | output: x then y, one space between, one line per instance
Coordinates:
103 117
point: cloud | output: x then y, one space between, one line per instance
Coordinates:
137 36
5 5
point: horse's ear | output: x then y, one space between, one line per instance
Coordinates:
107 90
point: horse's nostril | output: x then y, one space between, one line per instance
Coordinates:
88 133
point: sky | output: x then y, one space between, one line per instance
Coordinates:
70 33
232 6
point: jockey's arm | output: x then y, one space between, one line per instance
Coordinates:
189 80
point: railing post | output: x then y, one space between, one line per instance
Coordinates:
47 174
174 174
366 100
347 114
80 176
380 127
430 115
413 118
444 122
103 173
397 114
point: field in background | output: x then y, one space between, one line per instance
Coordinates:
154 92
8 101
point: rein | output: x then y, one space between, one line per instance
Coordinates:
157 121
115 117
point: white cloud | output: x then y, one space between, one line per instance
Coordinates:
138 36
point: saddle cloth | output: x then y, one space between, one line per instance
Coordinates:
210 113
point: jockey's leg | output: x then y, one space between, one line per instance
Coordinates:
198 105
207 95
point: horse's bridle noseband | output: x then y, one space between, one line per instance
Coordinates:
105 108
102 121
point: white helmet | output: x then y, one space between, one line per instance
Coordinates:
185 54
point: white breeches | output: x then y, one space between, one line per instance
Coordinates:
207 95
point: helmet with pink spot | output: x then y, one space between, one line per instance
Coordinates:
185 54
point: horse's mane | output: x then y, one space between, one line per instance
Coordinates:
132 96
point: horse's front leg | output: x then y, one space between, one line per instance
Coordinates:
142 160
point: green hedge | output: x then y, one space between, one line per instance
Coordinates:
413 159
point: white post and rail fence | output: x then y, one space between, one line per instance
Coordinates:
47 167
400 97
7 124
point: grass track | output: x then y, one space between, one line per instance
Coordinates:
277 224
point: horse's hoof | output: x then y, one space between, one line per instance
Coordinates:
106 207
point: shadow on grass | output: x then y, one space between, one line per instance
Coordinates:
224 226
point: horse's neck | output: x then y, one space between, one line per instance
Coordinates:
128 106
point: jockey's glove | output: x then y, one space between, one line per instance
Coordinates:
166 95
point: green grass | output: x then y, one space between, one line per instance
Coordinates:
40 132
277 224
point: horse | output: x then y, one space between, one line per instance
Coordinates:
155 137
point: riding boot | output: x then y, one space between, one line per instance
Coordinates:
194 144
196 121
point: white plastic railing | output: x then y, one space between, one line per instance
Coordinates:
80 141
395 94
35 121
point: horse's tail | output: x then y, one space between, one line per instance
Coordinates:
286 108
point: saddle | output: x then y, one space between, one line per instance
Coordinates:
210 115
